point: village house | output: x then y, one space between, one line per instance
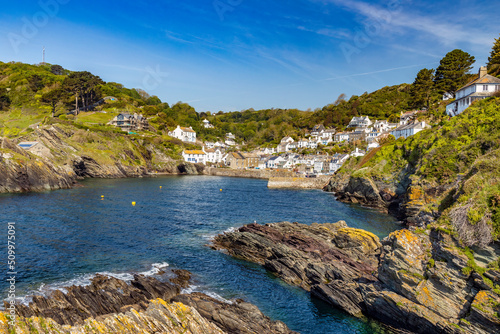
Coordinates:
235 160
230 139
326 137
408 130
184 134
251 160
128 122
337 161
341 136
206 124
194 156
360 122
213 155
357 135
317 130
484 86
358 153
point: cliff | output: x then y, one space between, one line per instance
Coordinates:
69 154
448 176
146 305
420 281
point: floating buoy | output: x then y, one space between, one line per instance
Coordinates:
160 187
133 203
220 189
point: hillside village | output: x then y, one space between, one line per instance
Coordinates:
286 155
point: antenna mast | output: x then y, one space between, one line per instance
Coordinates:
43 57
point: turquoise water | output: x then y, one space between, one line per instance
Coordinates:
65 236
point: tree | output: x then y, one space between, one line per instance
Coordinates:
4 99
423 88
36 82
85 86
452 72
52 98
494 59
57 69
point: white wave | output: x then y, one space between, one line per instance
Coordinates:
195 288
85 280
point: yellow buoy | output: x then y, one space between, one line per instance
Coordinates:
220 189
160 187
133 203
102 196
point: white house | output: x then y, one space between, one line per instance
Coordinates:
357 153
341 136
326 137
317 130
408 130
213 155
128 122
337 161
184 134
230 139
194 156
360 122
206 124
484 86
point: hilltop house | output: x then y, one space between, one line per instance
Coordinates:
194 156
184 134
128 122
484 86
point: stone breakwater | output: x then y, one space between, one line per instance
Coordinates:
146 305
298 182
246 173
409 280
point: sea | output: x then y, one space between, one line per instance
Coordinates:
120 227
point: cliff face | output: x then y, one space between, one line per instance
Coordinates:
71 154
409 280
146 305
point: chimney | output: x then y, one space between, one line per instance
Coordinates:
483 70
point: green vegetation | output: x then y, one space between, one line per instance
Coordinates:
452 72
494 59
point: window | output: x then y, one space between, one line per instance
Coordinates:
485 88
497 88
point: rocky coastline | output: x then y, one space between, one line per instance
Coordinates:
145 305
416 280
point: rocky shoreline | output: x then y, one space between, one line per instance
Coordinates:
145 305
412 280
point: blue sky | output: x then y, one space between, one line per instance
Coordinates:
237 54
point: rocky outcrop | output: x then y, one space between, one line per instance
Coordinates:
409 280
145 305
71 155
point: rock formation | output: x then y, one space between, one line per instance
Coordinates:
409 280
146 305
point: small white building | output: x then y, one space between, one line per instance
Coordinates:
341 136
184 134
207 125
194 156
357 153
484 86
36 148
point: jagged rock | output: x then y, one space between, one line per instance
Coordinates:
146 305
414 281
238 317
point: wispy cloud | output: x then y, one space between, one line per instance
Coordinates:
440 27
378 71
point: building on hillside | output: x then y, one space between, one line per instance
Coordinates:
206 124
128 122
194 156
357 135
36 148
483 86
230 139
317 130
326 137
408 130
341 136
360 122
358 153
184 134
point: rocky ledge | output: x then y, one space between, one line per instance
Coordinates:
412 280
146 305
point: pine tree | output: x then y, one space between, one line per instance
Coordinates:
423 89
494 59
452 72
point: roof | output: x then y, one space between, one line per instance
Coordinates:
485 79
27 144
408 126
187 129
194 152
